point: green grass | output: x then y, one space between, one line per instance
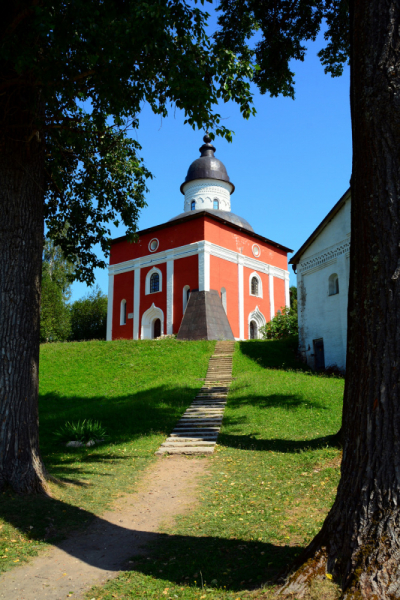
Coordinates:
273 479
137 390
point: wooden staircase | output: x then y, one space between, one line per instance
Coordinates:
198 429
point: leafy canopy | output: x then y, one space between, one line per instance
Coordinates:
57 274
92 66
281 28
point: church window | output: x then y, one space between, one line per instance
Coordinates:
193 205
254 286
123 313
153 245
216 204
154 283
333 284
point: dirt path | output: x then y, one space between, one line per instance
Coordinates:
167 489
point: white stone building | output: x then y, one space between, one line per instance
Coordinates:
322 265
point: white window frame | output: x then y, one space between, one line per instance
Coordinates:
157 247
260 288
217 201
147 283
122 315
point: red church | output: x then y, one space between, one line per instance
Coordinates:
205 248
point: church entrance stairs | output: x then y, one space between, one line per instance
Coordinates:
198 429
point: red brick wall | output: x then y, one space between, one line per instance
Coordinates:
169 237
224 236
186 272
123 290
225 274
279 294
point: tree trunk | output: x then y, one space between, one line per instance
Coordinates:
21 242
359 543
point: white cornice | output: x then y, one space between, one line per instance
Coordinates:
323 258
197 248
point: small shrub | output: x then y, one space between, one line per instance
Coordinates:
283 325
82 431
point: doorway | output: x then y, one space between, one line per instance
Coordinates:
156 328
253 330
319 355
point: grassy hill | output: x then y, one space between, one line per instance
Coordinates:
137 390
273 476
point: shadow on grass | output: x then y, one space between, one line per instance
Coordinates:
249 442
287 402
274 354
127 418
233 563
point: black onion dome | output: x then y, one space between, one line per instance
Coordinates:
228 216
207 166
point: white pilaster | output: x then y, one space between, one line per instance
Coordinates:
241 297
204 268
170 296
136 304
271 295
110 303
287 291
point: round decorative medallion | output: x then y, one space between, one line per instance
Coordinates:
153 245
256 250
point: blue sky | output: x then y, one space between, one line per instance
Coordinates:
290 163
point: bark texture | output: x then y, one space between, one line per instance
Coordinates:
359 543
21 242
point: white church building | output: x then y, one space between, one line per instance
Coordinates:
322 265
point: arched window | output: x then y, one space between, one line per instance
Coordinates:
253 330
185 297
154 278
223 298
154 283
333 284
216 204
254 286
193 205
156 328
122 320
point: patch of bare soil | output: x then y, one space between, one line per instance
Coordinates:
168 489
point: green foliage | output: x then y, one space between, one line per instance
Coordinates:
57 273
282 28
284 324
81 431
89 68
55 323
293 298
89 317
